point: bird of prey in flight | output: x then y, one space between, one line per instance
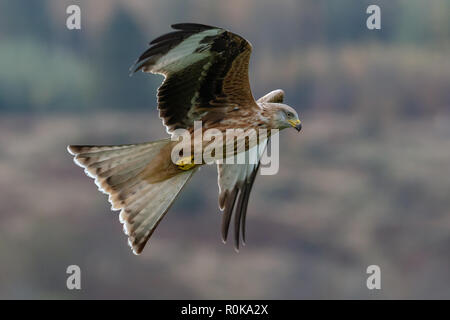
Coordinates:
206 79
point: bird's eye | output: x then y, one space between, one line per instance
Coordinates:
289 114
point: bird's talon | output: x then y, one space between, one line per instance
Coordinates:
186 163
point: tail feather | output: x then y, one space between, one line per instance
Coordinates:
87 155
118 172
159 200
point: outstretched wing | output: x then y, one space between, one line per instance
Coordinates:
236 182
205 69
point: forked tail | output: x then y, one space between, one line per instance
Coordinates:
122 173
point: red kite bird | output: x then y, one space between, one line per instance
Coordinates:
206 79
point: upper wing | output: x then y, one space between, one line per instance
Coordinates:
275 96
205 69
235 183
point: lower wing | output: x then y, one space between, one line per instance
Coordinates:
235 183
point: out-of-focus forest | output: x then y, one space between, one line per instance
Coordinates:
366 182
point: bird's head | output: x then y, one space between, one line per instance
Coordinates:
284 116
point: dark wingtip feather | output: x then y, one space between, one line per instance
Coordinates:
133 68
246 197
238 215
236 202
170 36
228 210
192 26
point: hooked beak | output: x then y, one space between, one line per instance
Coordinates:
297 124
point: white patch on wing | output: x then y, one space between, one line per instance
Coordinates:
184 53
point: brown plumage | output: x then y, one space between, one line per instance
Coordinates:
206 79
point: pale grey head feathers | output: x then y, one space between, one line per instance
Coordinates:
284 116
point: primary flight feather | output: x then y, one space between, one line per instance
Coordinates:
206 79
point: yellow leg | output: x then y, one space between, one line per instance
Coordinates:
186 163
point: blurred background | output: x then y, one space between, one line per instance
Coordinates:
366 182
